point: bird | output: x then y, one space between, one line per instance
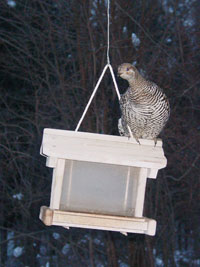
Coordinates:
144 107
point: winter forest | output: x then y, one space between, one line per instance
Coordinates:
51 56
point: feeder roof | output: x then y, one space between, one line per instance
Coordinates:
102 148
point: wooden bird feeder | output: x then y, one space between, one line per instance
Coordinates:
99 180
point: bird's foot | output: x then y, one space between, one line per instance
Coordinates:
155 141
137 140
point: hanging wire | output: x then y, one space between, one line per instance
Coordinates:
108 31
108 65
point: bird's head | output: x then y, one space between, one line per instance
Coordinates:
127 72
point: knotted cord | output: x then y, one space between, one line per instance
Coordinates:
108 65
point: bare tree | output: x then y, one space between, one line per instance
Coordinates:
51 55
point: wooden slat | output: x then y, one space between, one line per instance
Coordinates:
46 215
102 148
51 162
103 137
56 187
103 222
152 173
141 186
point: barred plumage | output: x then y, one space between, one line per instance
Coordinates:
144 107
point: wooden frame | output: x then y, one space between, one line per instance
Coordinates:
60 145
96 221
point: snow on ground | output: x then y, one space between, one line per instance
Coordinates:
11 3
135 40
56 236
17 252
65 249
18 196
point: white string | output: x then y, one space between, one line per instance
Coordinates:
114 81
92 96
103 72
